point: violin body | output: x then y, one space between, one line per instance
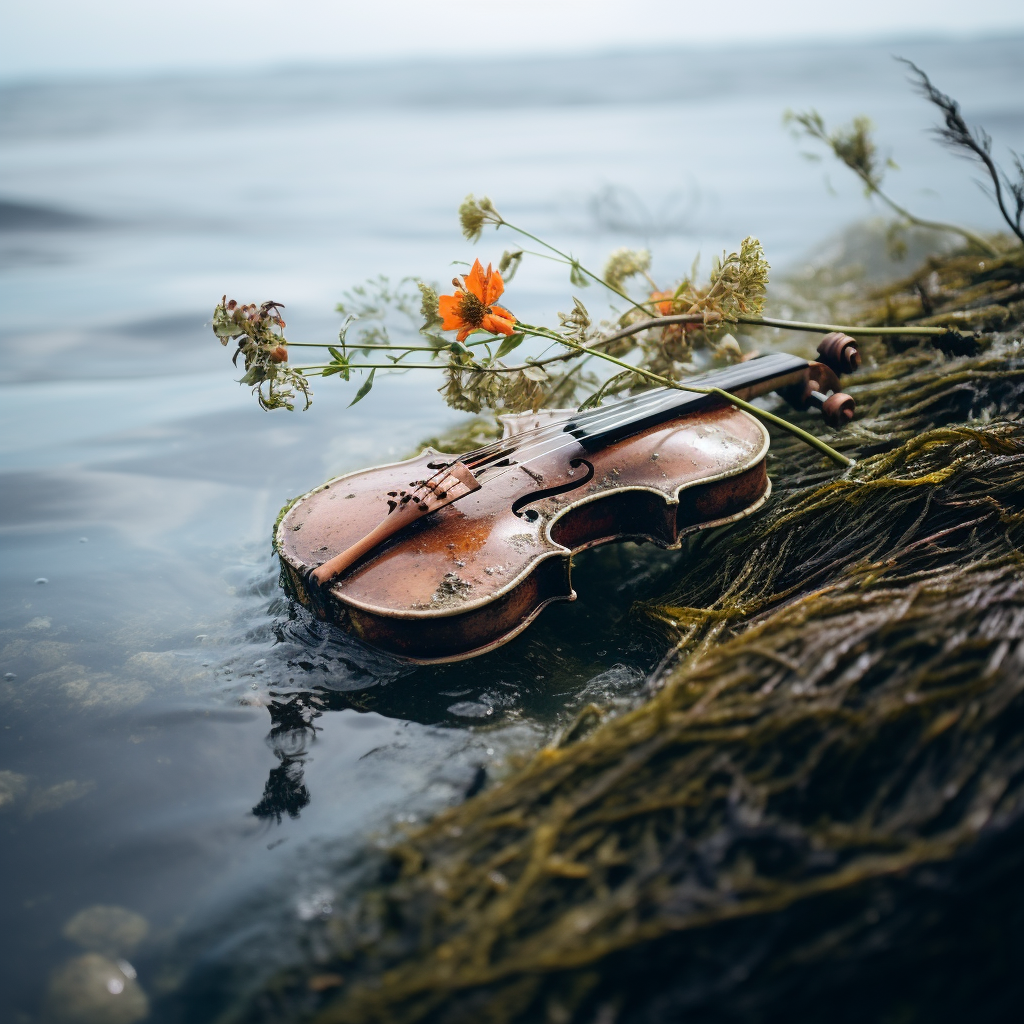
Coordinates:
473 574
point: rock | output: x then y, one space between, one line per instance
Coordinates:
91 989
113 931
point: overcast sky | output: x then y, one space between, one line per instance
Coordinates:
45 37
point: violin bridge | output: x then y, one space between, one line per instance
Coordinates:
404 507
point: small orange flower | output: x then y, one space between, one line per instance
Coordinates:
664 307
472 307
665 302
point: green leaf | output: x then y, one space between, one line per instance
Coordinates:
576 275
513 341
436 340
349 321
509 264
612 382
537 373
457 346
339 364
364 390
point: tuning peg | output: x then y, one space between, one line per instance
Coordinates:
839 352
836 409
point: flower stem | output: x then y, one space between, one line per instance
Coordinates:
377 366
767 321
568 259
935 225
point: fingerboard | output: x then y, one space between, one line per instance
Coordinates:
599 427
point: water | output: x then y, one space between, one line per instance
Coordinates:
176 739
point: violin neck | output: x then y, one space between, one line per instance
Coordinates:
746 380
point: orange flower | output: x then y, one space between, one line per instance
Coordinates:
472 307
665 301
664 308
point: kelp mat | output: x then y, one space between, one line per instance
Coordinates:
818 812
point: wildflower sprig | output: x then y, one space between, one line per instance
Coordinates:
854 146
665 333
264 352
665 337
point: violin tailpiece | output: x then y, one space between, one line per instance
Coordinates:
404 507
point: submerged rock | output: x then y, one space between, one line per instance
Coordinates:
111 930
92 989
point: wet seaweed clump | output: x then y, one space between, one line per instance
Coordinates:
818 812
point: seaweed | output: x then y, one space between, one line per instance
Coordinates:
822 797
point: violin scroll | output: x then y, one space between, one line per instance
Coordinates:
839 353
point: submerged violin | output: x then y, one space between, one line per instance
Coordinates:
441 558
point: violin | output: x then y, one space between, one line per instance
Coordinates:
441 558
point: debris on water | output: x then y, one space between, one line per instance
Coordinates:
470 709
12 786
53 798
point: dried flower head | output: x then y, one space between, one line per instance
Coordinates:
428 307
576 324
738 283
475 213
625 263
263 350
852 144
509 263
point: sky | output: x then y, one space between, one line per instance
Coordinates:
44 38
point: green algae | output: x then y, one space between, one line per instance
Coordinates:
827 778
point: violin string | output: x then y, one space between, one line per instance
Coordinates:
605 425
557 427
610 417
596 420
574 441
607 419
611 413
614 418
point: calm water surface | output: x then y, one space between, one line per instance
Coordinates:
176 740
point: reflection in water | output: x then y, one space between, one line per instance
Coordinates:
542 678
285 792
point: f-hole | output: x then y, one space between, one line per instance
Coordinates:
528 499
